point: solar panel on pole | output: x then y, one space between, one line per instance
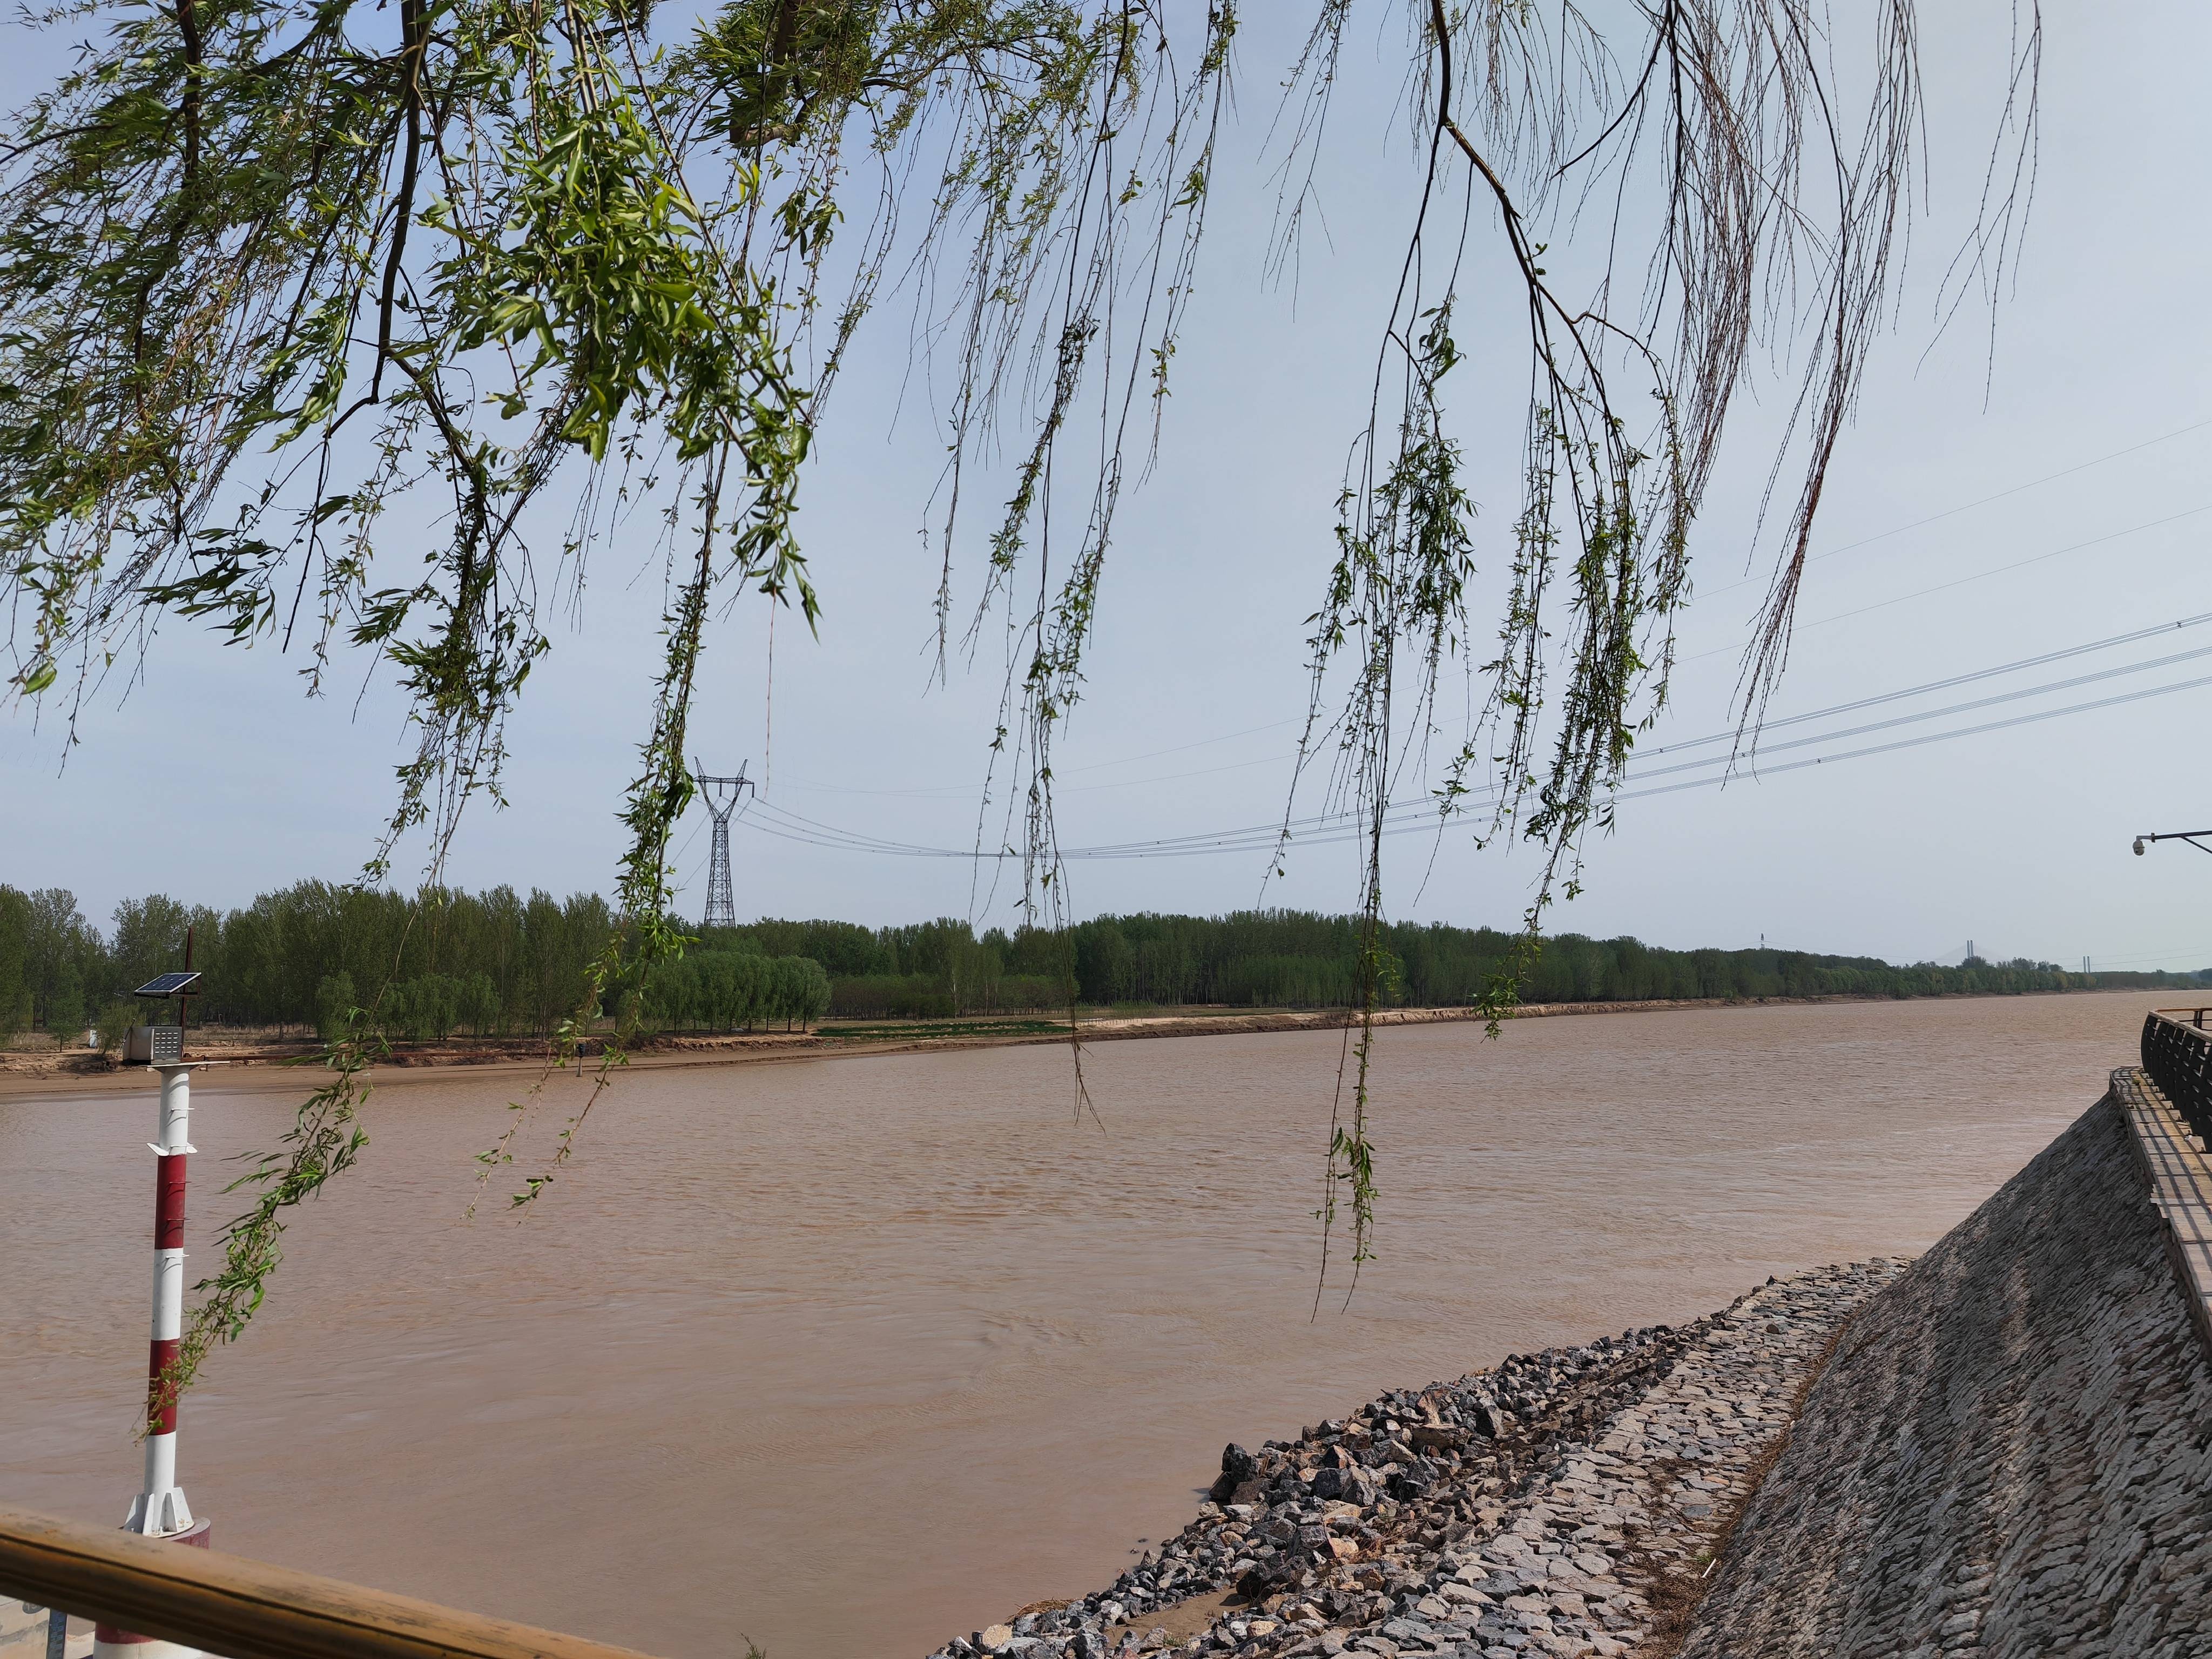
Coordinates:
169 985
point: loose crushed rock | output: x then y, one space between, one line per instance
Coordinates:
1562 1504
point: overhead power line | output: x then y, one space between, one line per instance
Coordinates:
1756 765
1968 506
1328 827
1980 575
971 789
1943 737
2047 657
1333 827
2199 952
1251 837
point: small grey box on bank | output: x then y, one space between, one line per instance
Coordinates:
154 1045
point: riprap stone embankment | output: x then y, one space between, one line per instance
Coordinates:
2004 1450
1564 1503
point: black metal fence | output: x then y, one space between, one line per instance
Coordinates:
2177 1053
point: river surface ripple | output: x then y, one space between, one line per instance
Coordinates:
851 1355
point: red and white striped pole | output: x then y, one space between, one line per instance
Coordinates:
160 1510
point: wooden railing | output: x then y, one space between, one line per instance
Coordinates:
242 1609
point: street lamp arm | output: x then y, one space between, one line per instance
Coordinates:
2189 836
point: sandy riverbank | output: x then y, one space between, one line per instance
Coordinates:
279 1063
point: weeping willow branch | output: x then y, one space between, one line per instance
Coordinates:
1708 137
271 271
323 1143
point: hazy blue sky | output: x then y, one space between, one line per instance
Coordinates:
214 778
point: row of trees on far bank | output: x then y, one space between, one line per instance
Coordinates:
301 959
498 962
1300 959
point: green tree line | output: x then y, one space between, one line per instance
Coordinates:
301 958
1301 959
1292 958
497 962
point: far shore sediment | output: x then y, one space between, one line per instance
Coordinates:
261 1063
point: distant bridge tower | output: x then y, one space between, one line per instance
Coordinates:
722 796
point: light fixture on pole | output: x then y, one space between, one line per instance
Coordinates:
2189 836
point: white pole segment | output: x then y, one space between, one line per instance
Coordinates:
160 1508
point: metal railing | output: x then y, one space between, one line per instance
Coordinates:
242 1609
2177 1053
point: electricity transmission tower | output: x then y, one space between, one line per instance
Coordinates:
721 903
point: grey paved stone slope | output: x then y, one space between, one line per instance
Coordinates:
2010 1453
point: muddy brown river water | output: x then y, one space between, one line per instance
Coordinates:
849 1355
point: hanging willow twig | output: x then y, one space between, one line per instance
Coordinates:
1702 131
272 268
